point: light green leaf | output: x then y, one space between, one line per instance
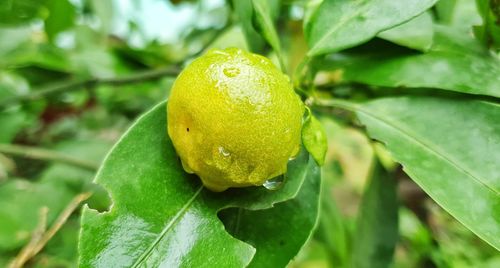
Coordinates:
20 11
278 223
416 33
20 201
61 17
104 11
340 24
266 24
245 11
461 65
314 138
459 14
161 216
377 223
450 147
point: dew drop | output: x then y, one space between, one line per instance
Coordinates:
275 183
231 71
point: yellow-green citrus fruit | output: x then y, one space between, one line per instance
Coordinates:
234 119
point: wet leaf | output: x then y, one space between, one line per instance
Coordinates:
454 161
456 62
340 24
162 216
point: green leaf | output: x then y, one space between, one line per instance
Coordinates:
451 65
445 10
340 24
245 12
104 11
314 138
20 201
20 11
163 216
61 17
264 20
416 33
489 32
377 223
12 122
450 147
297 216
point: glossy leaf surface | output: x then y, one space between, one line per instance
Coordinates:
454 161
280 232
314 138
455 62
416 33
161 216
340 24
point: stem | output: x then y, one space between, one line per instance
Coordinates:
41 236
71 85
43 154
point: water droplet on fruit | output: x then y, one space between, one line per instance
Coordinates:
275 183
223 151
231 71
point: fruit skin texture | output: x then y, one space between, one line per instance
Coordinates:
234 119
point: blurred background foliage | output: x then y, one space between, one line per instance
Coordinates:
74 74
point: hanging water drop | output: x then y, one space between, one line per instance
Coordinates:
275 183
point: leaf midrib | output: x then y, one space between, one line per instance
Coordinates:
326 36
167 228
427 146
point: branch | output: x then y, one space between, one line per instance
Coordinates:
71 85
41 237
43 154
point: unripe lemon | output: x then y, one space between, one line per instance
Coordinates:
234 119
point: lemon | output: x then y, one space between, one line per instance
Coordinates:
234 119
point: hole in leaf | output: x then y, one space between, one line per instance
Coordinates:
100 199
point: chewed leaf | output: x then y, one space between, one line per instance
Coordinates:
162 216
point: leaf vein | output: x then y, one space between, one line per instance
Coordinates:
429 146
167 228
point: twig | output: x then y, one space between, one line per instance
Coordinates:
43 154
71 85
38 241
26 252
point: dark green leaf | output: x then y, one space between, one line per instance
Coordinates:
377 224
287 226
460 65
454 161
416 33
340 24
314 138
61 17
163 216
489 32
